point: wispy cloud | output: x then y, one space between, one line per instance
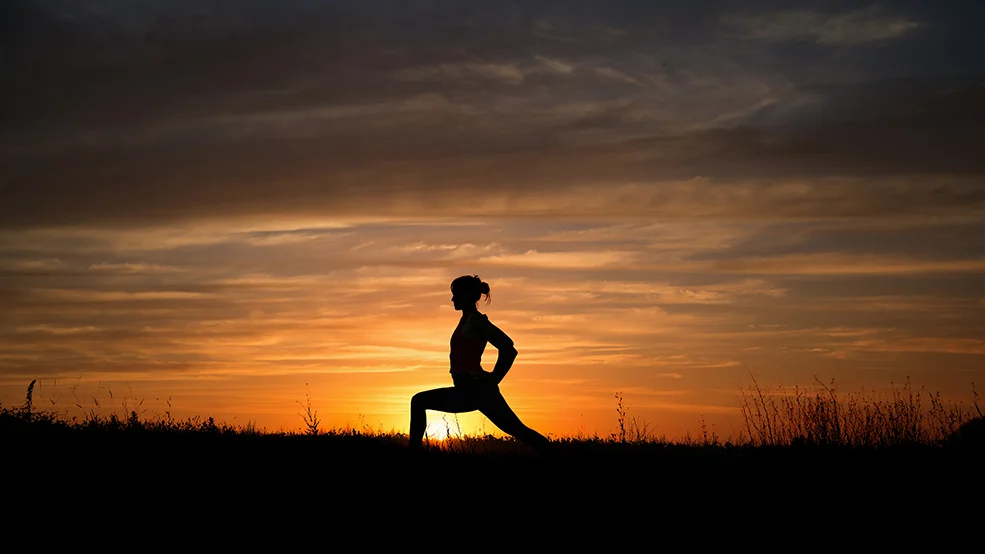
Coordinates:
844 28
533 258
610 73
506 73
555 66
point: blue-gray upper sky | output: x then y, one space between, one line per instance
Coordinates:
160 109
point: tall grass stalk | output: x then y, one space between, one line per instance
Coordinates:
310 415
820 415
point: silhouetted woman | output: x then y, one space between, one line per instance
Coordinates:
475 389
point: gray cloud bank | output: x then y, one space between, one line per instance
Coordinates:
122 112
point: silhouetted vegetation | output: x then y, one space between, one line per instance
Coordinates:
795 440
818 416
821 416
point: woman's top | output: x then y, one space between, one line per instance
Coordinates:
469 341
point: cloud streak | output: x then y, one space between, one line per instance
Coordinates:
840 29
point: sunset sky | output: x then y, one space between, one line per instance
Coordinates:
234 203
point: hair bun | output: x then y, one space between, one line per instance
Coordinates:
470 286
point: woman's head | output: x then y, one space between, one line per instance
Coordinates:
467 290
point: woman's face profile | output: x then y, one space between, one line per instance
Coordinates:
460 301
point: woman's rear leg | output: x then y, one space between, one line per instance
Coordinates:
447 399
494 407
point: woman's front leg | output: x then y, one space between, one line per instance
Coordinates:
447 399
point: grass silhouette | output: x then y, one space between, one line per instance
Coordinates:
820 415
909 443
816 416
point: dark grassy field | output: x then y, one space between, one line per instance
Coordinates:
806 449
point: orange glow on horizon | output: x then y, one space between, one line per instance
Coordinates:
364 315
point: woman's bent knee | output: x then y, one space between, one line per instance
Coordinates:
417 402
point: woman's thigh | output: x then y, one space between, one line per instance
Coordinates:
494 406
448 399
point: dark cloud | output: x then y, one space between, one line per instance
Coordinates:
121 112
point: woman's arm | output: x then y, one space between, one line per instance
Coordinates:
507 352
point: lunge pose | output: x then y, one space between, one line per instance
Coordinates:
475 389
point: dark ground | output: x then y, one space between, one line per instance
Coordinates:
230 489
173 477
227 464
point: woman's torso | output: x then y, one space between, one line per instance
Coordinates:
467 344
